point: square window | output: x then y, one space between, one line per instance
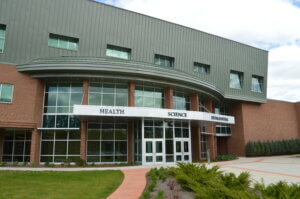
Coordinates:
201 68
118 52
6 93
257 84
236 80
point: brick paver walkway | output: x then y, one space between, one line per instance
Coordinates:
133 184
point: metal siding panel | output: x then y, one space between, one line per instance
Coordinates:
29 23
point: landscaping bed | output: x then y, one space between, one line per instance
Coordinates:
189 181
59 185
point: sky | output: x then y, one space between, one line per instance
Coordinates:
273 25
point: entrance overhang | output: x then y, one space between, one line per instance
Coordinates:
143 112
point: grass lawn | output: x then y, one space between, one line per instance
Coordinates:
58 185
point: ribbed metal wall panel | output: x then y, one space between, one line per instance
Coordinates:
29 23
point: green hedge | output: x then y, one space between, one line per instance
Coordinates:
281 147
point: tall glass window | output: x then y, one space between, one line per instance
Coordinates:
222 109
2 37
59 100
181 101
118 52
59 146
108 94
65 42
236 80
146 96
6 93
107 141
203 146
16 146
202 107
257 84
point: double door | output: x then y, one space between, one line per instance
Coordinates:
154 151
182 150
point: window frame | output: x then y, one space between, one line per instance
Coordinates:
67 39
12 95
205 67
260 82
120 49
3 27
241 79
165 58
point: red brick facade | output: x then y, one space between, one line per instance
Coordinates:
274 120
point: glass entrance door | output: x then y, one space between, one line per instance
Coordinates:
182 150
154 151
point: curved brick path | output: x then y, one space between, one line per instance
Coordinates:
132 186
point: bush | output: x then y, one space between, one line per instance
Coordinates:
281 147
80 162
278 190
24 164
15 164
225 157
2 164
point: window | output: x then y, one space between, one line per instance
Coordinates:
202 107
257 84
59 146
16 146
222 109
2 37
108 93
6 93
118 52
164 60
236 80
147 96
59 100
203 146
201 68
59 41
181 101
107 141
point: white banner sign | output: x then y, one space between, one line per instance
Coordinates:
120 111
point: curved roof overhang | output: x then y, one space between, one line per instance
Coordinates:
93 67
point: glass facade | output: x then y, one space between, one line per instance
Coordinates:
257 84
164 61
236 80
108 93
181 101
2 37
59 146
16 146
58 107
107 141
6 93
64 42
146 96
118 52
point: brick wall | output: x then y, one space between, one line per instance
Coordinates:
25 111
274 120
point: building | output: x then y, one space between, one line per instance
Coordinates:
81 79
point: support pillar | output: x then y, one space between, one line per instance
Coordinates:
1 144
83 138
131 92
35 146
211 139
195 130
83 126
169 98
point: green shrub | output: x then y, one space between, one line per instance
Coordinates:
80 162
47 164
225 157
24 164
34 164
160 195
2 164
15 164
279 190
279 147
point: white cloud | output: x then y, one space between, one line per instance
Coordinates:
263 24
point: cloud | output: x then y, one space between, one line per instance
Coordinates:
269 24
